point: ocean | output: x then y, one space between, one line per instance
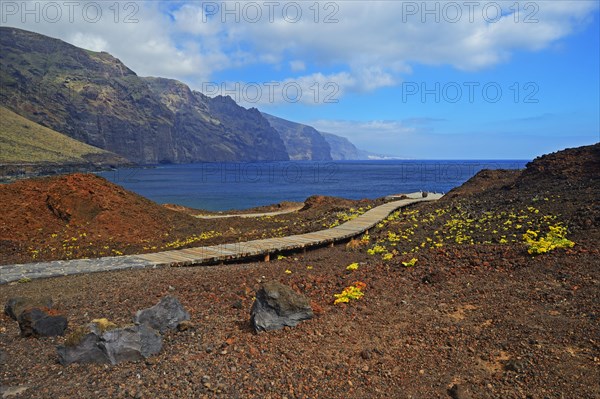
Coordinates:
225 186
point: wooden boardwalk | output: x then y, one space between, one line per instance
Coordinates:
212 254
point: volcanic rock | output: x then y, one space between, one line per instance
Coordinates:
41 322
277 306
165 315
14 306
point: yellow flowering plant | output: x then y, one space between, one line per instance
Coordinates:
352 266
555 238
351 292
410 263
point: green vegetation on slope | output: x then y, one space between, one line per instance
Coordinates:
24 141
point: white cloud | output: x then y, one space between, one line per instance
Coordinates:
384 33
365 131
312 89
143 37
372 44
193 19
90 42
297 66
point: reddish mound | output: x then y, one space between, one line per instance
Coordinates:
578 164
561 171
64 214
83 203
485 180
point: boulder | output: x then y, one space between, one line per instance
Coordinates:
14 306
165 315
277 306
130 343
82 349
41 322
93 344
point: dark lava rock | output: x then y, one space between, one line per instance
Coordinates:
85 349
518 366
165 315
459 392
431 278
41 322
237 304
130 343
14 306
91 345
366 354
277 306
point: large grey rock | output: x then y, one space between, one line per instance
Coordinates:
131 343
277 306
16 305
41 322
86 349
112 346
165 315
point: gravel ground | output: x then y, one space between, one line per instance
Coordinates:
515 327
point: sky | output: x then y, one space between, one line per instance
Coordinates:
413 79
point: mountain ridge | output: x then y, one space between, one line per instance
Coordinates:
94 98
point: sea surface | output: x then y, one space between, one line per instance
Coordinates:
224 186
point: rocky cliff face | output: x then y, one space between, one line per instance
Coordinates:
301 141
342 149
93 97
216 129
263 140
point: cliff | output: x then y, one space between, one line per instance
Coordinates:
301 141
94 98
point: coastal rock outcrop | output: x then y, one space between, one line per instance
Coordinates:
94 98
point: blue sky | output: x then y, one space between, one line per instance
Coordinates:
459 82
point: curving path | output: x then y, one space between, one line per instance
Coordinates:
213 254
250 215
